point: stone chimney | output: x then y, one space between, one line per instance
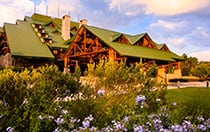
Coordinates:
82 22
66 27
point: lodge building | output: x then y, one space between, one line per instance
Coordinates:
40 40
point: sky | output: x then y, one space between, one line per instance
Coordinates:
184 25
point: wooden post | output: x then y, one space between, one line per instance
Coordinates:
112 54
141 61
178 65
91 60
65 70
178 84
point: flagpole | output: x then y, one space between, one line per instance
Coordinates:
46 7
34 6
58 8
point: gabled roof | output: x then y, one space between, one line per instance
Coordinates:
135 38
131 38
23 41
115 36
161 46
132 50
54 32
48 19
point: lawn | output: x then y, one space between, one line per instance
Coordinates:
184 94
191 102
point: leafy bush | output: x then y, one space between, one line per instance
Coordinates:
27 94
123 99
118 77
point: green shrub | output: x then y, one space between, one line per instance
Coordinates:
27 94
41 93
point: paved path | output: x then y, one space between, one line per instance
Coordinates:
188 84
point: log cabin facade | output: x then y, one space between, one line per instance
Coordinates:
92 44
35 41
40 39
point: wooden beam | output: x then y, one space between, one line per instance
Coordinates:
112 54
75 49
97 43
178 65
89 41
151 43
85 40
117 59
88 53
65 61
79 48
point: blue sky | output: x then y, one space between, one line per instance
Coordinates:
184 25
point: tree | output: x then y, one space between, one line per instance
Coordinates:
188 64
202 70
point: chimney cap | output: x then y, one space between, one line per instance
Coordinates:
66 16
81 20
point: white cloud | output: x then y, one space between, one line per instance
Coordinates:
201 31
174 7
157 7
176 42
200 36
170 26
126 7
202 55
12 10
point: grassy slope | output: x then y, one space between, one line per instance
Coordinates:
185 94
192 102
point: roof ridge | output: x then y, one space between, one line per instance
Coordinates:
118 34
102 29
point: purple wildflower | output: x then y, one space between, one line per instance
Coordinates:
101 92
59 120
138 128
140 98
10 129
201 127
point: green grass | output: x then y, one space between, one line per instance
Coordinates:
184 94
191 102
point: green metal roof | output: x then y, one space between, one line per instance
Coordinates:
56 21
130 38
42 18
23 41
135 38
159 46
132 50
143 52
54 32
